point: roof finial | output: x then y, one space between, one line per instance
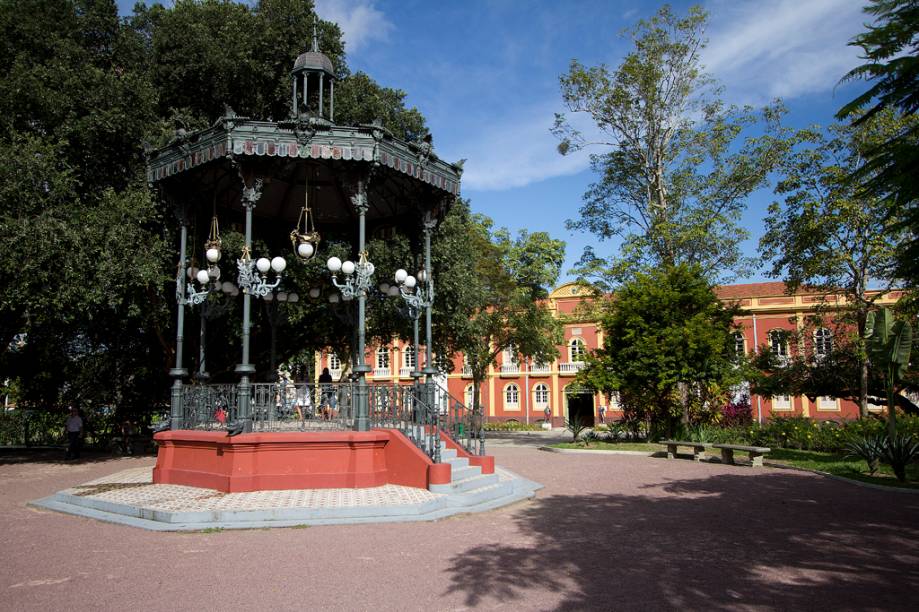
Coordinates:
315 48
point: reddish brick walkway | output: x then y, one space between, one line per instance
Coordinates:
608 532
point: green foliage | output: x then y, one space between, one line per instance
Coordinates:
674 177
889 344
665 332
870 448
576 426
891 51
87 252
489 298
899 451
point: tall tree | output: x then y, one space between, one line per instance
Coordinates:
830 235
674 178
668 348
891 54
498 284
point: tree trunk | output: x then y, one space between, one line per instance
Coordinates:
863 365
891 405
684 401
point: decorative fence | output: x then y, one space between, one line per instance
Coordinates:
420 413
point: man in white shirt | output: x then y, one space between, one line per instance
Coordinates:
74 427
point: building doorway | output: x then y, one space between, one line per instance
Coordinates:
580 406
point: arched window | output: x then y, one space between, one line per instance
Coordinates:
334 362
740 344
577 350
823 342
541 395
468 396
408 357
383 358
778 343
511 395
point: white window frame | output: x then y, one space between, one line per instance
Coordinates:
577 355
334 361
823 342
778 342
408 356
509 399
382 358
740 343
541 388
782 403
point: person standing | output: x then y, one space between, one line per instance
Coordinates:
74 428
602 411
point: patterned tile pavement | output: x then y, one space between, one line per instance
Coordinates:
135 487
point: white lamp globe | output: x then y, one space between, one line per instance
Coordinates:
278 264
305 250
401 275
227 287
213 255
333 264
348 267
235 291
263 264
282 296
293 297
410 282
421 275
384 288
192 272
370 268
213 273
202 277
394 291
315 292
269 297
333 298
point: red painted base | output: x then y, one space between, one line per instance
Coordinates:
307 460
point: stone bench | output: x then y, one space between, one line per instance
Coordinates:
756 453
698 448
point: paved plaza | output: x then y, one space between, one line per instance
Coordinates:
606 532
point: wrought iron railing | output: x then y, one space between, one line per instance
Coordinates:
464 425
420 412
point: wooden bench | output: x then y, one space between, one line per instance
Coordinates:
756 453
698 448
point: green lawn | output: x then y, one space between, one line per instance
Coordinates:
832 463
838 465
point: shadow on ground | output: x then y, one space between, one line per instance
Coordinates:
727 541
9 456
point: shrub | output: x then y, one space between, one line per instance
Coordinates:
510 426
576 426
737 413
870 448
899 452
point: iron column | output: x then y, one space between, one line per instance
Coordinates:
362 416
250 197
178 372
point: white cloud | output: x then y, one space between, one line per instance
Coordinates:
781 48
359 20
514 151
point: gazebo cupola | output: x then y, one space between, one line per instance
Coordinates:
314 84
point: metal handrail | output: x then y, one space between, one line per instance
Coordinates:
421 412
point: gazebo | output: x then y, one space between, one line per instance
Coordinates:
301 177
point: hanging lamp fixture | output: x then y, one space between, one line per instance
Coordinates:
304 237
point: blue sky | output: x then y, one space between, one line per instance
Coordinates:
485 74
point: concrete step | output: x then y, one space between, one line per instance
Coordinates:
480 495
464 472
447 453
456 462
465 484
